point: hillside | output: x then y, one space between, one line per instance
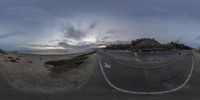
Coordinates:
149 43
145 43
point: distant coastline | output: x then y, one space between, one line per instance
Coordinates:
52 52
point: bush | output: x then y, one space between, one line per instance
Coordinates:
17 58
13 60
30 62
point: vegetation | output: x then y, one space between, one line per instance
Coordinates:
2 52
64 65
84 55
118 46
17 58
179 46
30 62
149 43
145 43
13 60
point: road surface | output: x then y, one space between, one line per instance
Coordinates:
126 76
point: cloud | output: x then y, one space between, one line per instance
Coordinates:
41 45
198 37
64 45
71 32
77 34
27 13
93 25
104 38
114 31
86 35
83 46
4 36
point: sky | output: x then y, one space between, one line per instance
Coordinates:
69 24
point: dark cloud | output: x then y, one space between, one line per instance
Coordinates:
104 38
4 36
93 25
64 45
71 32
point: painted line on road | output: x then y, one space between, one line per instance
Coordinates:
157 92
142 67
106 65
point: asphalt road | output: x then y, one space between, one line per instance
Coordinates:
164 77
122 76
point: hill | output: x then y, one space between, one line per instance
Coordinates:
149 44
145 43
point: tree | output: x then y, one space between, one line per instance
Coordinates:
149 43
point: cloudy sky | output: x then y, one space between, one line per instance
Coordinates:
66 24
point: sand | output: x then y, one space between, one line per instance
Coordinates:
27 72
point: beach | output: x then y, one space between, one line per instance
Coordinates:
28 72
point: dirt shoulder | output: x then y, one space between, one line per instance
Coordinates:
30 72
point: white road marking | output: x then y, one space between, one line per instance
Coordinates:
106 65
157 92
136 55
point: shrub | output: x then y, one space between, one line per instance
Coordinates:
65 65
13 60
